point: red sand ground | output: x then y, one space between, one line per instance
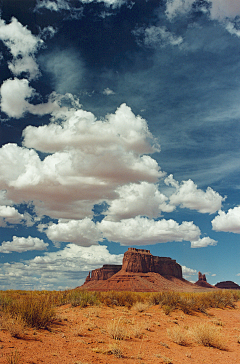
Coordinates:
82 336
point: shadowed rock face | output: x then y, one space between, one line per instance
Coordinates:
137 261
227 285
107 271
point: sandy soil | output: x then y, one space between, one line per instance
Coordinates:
82 336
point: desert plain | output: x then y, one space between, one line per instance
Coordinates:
122 327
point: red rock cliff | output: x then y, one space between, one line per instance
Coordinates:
142 261
107 271
138 261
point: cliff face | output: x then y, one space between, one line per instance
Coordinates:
137 261
142 261
107 271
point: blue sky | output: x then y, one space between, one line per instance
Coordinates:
119 127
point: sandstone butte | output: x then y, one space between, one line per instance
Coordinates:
202 281
227 285
141 272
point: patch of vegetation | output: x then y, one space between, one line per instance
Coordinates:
208 335
179 336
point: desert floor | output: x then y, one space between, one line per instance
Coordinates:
83 336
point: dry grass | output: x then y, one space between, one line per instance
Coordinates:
117 329
165 359
14 325
208 335
140 306
137 330
179 336
13 358
113 349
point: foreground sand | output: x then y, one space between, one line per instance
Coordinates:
82 336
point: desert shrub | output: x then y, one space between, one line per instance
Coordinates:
137 330
117 329
115 350
83 298
14 325
140 306
114 298
179 336
167 309
170 299
208 335
155 298
35 310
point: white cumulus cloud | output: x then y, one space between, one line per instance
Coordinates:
15 97
143 231
80 232
22 45
66 268
227 221
9 214
204 242
90 159
20 244
189 196
138 199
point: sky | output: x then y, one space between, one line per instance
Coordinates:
120 125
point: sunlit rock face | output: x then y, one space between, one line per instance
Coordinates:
142 261
138 261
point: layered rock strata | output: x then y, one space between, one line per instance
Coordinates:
107 271
140 271
142 261
137 261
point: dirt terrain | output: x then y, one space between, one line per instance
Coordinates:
85 336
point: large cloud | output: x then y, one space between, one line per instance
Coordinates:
15 97
22 45
56 270
20 244
228 222
188 195
90 160
143 231
138 199
81 232
81 130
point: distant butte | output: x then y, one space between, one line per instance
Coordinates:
140 272
202 281
227 285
